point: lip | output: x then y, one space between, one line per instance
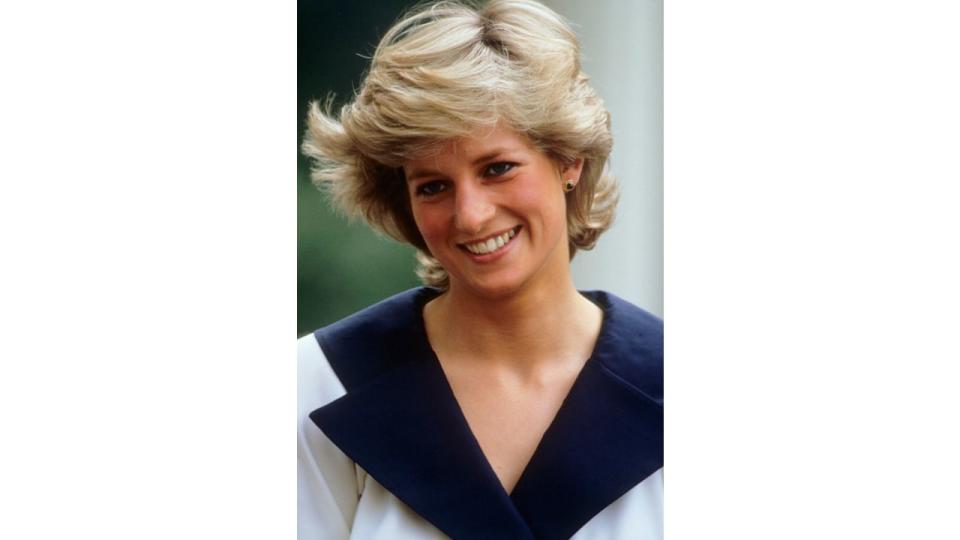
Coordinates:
490 257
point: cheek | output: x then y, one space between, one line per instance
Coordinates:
540 200
430 222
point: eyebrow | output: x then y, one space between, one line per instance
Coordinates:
425 173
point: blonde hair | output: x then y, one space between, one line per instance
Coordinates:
442 71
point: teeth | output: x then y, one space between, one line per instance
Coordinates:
491 244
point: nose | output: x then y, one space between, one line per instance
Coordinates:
473 207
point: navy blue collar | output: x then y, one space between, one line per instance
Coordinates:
401 422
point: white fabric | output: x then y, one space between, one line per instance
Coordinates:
338 501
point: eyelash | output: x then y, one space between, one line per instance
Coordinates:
510 167
433 188
424 189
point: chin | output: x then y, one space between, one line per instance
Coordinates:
493 288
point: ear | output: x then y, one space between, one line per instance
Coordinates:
572 170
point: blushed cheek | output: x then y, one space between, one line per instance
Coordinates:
430 226
538 201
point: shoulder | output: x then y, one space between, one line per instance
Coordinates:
317 384
376 339
630 343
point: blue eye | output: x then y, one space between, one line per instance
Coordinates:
499 169
429 189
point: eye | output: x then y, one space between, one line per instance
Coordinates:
499 169
431 188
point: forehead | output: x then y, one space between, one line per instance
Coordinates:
480 143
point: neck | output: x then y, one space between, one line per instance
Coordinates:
523 331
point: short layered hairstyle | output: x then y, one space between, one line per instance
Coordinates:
443 71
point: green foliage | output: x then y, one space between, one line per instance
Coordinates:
341 267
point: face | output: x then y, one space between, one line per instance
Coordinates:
491 208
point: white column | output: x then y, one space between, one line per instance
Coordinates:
623 53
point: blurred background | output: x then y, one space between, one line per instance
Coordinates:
343 267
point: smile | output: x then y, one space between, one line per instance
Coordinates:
491 244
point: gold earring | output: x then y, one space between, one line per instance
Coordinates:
569 185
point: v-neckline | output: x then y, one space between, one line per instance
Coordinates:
400 422
434 359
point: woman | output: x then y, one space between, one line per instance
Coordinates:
498 402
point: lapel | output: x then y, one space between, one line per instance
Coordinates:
608 435
400 421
